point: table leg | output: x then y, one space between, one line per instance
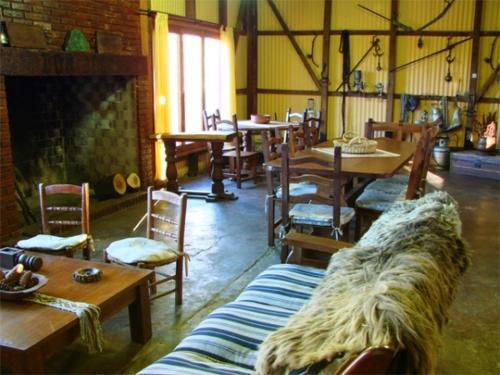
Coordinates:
140 315
218 175
172 183
31 362
247 141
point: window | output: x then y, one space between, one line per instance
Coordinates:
194 74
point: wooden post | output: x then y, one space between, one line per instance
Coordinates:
327 17
251 23
391 79
474 63
223 12
191 9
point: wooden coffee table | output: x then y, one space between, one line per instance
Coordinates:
30 332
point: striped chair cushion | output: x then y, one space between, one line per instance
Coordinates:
378 201
226 342
298 189
318 214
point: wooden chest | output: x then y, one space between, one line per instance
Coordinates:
475 163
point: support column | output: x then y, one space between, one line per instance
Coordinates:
327 17
391 79
251 25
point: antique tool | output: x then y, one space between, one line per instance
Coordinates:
489 59
311 55
395 22
449 60
377 54
10 256
447 48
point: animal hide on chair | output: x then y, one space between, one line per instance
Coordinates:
392 289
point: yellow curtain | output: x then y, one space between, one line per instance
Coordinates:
160 76
228 72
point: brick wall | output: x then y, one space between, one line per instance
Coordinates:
56 17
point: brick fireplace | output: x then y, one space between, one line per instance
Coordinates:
72 117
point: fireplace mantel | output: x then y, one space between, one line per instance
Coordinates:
25 62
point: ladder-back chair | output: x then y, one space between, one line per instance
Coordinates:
62 206
163 244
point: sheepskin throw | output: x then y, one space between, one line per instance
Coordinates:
392 289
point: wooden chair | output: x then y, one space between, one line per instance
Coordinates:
242 164
372 202
312 126
56 212
209 121
166 222
326 207
295 136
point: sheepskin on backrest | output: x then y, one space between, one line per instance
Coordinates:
392 289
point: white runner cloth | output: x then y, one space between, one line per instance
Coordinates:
377 154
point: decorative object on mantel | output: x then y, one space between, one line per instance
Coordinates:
260 119
75 41
87 275
4 38
133 182
353 144
111 186
109 43
25 36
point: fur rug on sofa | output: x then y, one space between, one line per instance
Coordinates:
392 289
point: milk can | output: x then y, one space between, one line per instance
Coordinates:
441 153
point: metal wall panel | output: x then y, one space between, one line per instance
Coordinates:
358 111
485 70
347 15
298 14
279 65
241 106
177 7
233 7
460 15
241 63
207 10
427 76
271 104
491 15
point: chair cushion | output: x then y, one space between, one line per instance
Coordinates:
298 189
140 249
379 201
395 184
49 242
318 214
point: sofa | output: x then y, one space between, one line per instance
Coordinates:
391 291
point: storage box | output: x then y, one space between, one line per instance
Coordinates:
475 163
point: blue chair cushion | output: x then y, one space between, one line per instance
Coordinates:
298 189
393 185
318 214
379 201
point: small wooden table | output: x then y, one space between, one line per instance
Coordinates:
30 332
217 139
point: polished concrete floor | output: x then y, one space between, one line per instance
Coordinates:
227 245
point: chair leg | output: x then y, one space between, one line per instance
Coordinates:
152 284
254 168
86 253
270 220
178 280
238 174
359 225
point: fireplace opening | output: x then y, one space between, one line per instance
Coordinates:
70 130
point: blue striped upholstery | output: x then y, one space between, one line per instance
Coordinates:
226 341
318 214
379 201
393 185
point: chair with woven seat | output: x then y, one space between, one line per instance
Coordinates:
242 163
325 208
295 136
271 147
373 201
163 244
209 121
62 206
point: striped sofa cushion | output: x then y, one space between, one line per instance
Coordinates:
226 342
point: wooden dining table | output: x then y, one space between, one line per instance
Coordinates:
321 163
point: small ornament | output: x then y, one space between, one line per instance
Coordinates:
75 41
379 88
87 275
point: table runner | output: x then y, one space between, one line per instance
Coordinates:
377 154
88 315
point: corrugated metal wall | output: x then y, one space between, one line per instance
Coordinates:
208 10
279 67
177 7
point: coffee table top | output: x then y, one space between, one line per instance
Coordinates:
26 324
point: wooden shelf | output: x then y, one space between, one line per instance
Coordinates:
26 62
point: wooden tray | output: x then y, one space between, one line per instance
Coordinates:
20 294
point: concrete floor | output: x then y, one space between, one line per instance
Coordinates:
227 245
